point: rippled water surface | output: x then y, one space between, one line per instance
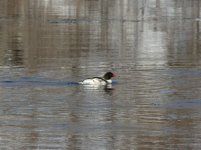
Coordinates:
48 46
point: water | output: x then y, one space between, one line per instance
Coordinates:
153 47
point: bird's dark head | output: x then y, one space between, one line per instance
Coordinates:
108 75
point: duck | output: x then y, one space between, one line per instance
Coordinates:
97 81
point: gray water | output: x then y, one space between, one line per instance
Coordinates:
153 47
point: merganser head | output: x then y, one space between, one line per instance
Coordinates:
108 75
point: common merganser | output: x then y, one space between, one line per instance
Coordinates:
105 80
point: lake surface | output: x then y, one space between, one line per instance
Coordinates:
153 47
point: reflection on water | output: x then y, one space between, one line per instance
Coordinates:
48 46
